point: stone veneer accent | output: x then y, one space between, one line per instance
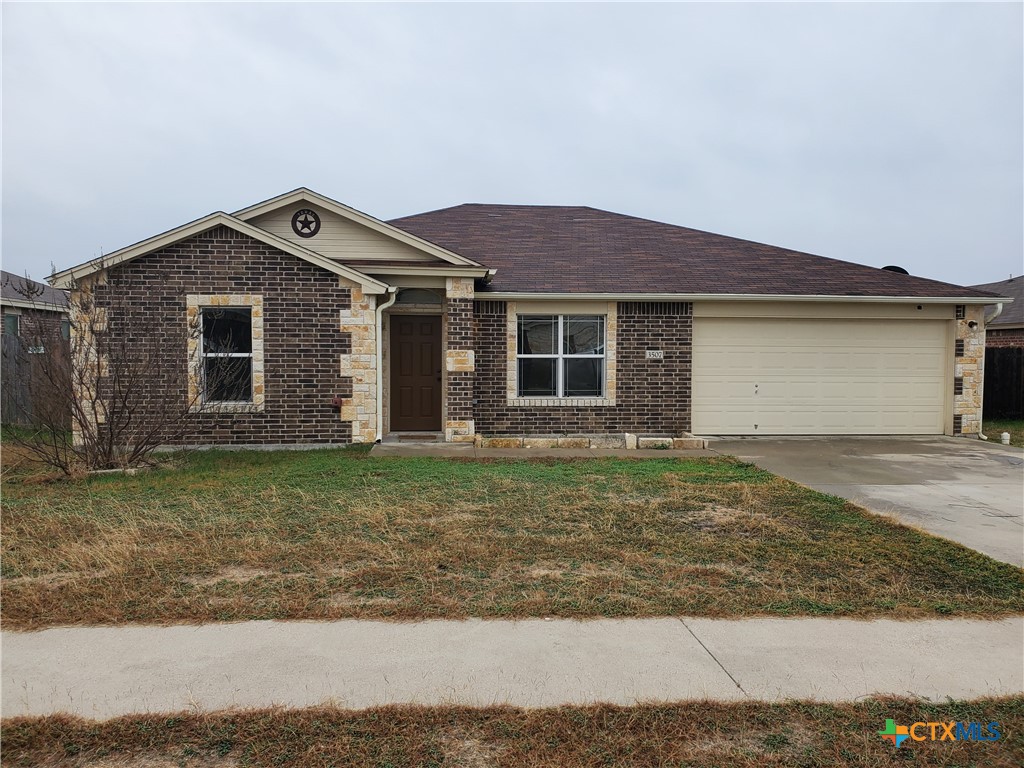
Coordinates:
359 364
304 343
194 304
87 319
460 360
651 397
970 367
688 443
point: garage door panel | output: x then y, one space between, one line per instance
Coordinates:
818 376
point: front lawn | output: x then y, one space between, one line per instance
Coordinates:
695 734
337 533
993 428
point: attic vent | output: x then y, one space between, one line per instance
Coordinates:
221 232
655 308
488 307
961 311
897 270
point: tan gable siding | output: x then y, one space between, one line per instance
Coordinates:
338 237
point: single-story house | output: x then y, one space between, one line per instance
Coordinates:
499 322
1007 328
26 302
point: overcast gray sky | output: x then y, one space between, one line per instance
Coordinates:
881 134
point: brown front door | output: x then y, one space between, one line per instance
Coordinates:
416 373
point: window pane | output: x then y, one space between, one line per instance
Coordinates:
537 377
11 324
228 379
538 335
227 329
65 329
584 377
584 335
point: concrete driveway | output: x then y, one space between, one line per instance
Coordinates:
957 488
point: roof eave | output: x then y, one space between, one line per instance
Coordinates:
533 295
44 306
478 273
66 278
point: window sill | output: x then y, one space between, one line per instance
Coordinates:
562 402
227 408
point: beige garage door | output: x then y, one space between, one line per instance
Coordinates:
758 376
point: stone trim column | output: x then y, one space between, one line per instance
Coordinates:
970 367
359 366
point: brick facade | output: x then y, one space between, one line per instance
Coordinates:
460 360
652 397
1004 337
303 342
35 325
319 344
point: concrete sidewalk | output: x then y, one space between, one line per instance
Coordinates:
102 672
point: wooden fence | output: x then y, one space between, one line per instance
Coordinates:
1004 383
15 400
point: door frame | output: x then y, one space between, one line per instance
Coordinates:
437 311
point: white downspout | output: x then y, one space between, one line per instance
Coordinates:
380 360
993 316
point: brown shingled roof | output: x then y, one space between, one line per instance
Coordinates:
553 249
20 288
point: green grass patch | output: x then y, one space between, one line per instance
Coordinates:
695 734
225 536
993 428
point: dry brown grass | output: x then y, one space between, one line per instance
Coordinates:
696 734
335 534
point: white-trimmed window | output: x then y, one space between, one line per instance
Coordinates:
560 356
226 355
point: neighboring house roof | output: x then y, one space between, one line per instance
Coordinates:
19 291
1012 314
555 249
68 276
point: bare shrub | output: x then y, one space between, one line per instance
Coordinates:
115 382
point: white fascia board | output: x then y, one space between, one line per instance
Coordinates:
477 272
29 304
67 278
513 296
365 219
